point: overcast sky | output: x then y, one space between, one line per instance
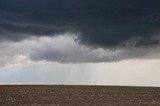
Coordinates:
84 42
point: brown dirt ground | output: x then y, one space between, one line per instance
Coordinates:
37 95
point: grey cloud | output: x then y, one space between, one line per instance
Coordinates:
101 23
68 49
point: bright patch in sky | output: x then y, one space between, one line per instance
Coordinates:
128 72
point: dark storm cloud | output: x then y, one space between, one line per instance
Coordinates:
100 22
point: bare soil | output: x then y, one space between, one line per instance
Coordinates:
50 95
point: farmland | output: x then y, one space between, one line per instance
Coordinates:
53 95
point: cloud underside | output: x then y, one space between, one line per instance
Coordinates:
100 23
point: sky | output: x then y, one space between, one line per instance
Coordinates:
80 42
